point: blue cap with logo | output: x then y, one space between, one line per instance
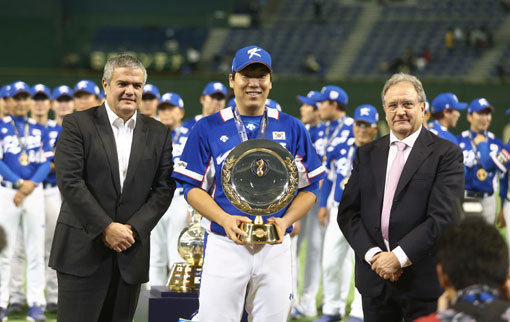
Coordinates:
231 102
446 101
215 87
366 113
41 89
151 90
311 98
19 87
427 106
479 104
86 86
273 104
333 93
4 91
60 91
173 99
250 55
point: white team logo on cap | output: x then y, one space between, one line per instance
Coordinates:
82 84
218 86
483 102
63 89
364 111
254 52
19 85
333 95
39 88
181 103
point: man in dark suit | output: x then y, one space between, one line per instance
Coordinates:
396 204
114 171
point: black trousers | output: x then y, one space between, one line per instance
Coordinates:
101 297
394 306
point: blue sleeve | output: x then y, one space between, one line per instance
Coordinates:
312 170
314 187
325 191
42 172
7 173
485 157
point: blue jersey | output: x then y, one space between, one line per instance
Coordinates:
441 131
179 138
36 147
336 132
481 157
188 124
212 139
317 137
53 130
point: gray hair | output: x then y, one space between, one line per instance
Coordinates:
402 77
122 61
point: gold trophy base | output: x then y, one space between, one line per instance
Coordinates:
259 233
184 278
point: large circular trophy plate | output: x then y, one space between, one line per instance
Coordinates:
259 178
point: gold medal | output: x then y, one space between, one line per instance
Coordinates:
23 159
481 174
344 183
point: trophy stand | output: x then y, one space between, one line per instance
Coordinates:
259 233
185 276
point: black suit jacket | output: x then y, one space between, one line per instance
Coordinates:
432 179
88 178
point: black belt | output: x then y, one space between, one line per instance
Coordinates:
49 185
477 194
7 184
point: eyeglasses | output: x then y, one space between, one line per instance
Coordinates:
365 125
406 105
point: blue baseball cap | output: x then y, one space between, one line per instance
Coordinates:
60 91
231 102
215 87
507 112
86 86
102 94
151 89
250 55
446 101
333 93
4 91
41 89
172 98
427 106
479 104
366 113
19 87
310 98
273 104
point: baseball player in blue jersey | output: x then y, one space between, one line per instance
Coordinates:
3 97
86 95
480 147
164 237
445 114
23 167
235 273
426 114
212 100
62 102
310 228
150 101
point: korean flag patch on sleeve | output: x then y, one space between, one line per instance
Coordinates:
278 135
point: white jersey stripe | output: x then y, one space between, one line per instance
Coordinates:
189 174
316 172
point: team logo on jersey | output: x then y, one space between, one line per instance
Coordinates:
251 126
224 138
254 52
181 164
278 135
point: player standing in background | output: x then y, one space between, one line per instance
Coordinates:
23 166
150 101
62 102
3 97
235 273
164 251
445 114
212 100
86 95
479 147
310 228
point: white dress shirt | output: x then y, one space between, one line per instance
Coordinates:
409 141
123 133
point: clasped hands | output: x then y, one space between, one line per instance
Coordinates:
232 224
23 191
387 266
118 237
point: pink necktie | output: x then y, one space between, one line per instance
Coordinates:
391 186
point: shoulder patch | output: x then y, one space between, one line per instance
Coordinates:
31 121
465 133
7 119
226 114
348 120
274 113
490 135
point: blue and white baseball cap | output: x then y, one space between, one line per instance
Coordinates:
231 102
273 104
150 89
250 55
479 104
215 87
173 99
86 86
19 87
41 89
366 113
446 101
60 91
333 93
311 98
427 106
4 91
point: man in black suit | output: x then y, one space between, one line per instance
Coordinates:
397 202
114 170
